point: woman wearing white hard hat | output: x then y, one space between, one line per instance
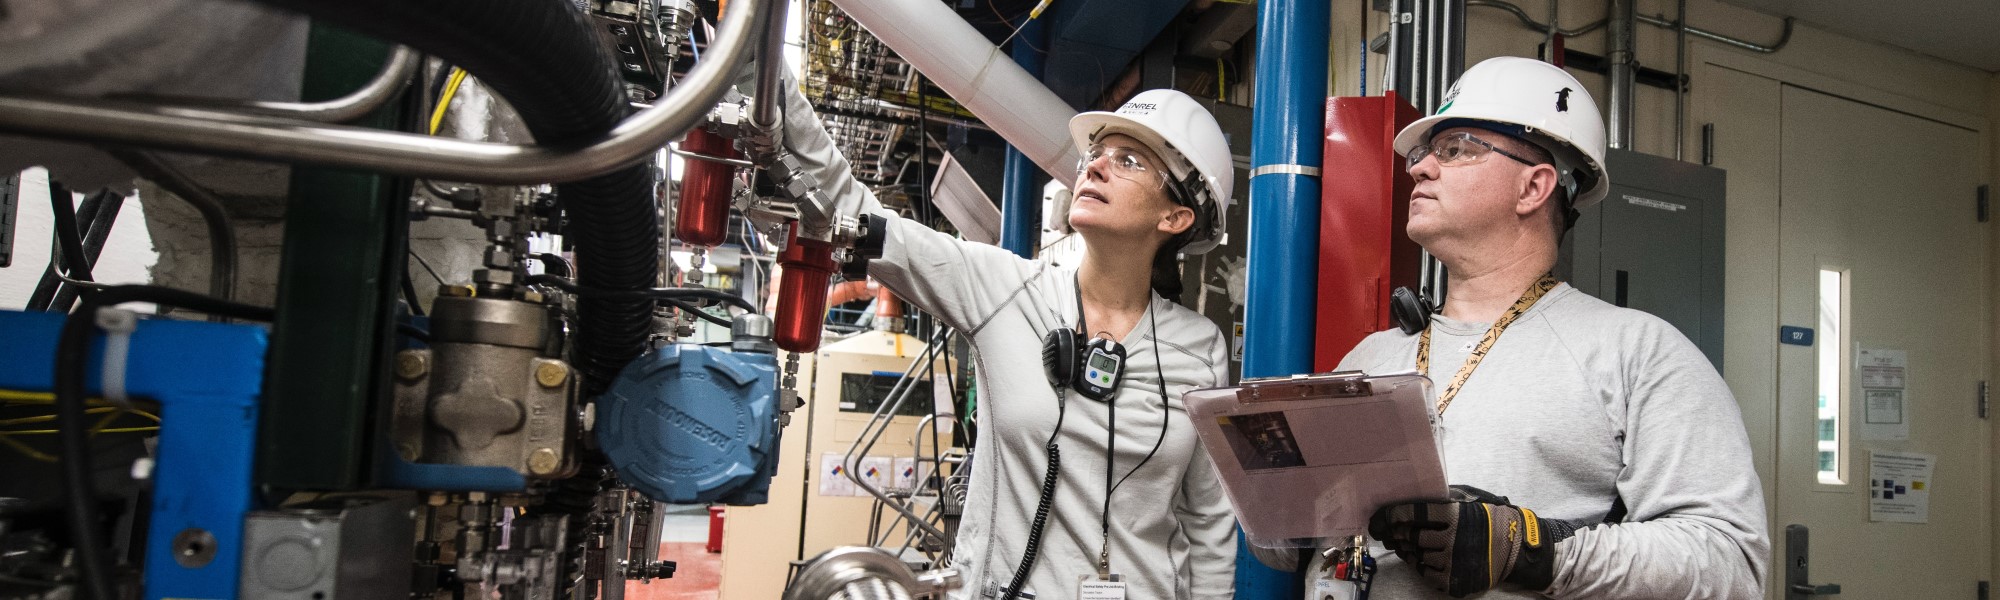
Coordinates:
1089 466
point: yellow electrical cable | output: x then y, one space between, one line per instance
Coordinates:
444 99
29 397
98 406
26 450
52 431
90 411
1221 82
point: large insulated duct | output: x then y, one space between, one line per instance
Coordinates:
957 58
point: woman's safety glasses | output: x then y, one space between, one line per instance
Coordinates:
1457 148
1126 163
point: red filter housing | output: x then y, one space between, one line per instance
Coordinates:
1364 207
801 315
703 216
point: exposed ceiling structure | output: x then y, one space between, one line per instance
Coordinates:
1960 31
873 102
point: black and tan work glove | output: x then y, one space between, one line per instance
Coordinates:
1473 542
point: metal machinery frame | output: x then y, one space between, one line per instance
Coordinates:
305 465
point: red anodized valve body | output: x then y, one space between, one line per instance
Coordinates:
703 216
801 316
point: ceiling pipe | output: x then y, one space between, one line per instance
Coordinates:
1618 52
1659 21
1783 38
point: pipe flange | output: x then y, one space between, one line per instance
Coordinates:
833 570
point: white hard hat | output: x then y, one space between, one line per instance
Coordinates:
1183 133
1545 102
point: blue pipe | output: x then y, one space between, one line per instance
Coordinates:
1020 199
1288 128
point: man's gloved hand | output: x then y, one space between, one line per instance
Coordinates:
1472 542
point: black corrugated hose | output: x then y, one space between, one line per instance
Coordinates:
544 58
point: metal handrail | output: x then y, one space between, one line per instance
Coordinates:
878 424
396 72
211 131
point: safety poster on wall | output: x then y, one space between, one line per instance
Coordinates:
1884 410
1899 486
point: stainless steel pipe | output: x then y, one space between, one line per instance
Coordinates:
1660 22
1622 66
396 72
209 131
770 67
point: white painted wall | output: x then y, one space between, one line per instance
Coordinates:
128 254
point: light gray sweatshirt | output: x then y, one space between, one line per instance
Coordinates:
1578 405
1172 533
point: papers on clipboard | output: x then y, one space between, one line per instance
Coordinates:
1306 460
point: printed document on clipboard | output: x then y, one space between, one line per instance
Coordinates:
1307 459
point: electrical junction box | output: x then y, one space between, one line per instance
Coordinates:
690 424
1655 244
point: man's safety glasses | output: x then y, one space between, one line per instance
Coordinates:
1458 148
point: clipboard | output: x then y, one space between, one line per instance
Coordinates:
1306 459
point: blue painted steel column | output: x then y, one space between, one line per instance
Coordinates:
1020 200
1288 130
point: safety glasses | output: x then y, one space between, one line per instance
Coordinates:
1126 163
1458 148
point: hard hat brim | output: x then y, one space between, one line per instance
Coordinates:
1097 123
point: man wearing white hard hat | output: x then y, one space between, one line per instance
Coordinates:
1055 503
1593 451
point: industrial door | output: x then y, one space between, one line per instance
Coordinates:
1881 255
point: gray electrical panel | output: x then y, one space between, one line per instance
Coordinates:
1655 244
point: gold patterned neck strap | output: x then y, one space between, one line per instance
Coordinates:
1527 301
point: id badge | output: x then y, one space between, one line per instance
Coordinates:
1092 587
1335 589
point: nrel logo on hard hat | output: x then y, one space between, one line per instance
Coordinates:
1138 108
1449 96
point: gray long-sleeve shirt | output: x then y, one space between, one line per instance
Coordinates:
1578 405
1172 533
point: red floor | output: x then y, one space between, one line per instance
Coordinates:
696 577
